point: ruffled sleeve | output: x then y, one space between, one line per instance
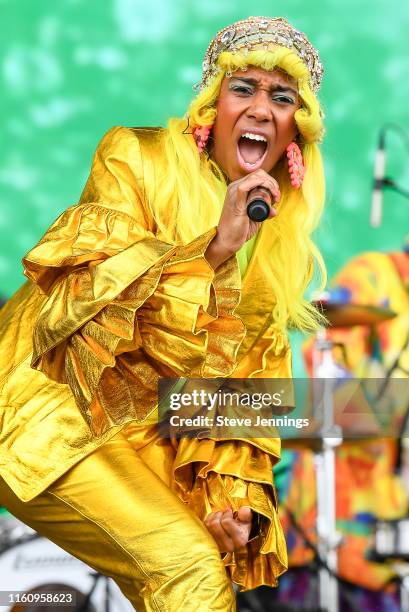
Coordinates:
211 475
124 308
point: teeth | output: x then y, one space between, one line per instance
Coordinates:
254 136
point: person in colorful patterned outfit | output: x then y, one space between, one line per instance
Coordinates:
365 470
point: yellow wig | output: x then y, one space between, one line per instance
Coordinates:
196 186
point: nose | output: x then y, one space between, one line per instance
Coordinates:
260 107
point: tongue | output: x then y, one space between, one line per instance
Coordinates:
251 150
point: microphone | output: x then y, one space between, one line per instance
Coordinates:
379 182
257 207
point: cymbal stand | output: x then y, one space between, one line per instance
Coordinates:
87 601
404 594
328 537
402 570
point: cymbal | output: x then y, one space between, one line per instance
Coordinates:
347 315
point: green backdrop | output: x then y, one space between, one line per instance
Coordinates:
73 68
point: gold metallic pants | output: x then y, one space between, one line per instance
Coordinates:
115 512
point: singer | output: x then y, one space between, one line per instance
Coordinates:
158 271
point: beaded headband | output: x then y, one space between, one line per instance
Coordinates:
261 32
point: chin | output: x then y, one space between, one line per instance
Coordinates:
236 175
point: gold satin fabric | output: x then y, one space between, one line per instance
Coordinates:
113 309
116 511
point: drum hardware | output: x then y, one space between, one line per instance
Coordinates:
318 563
391 540
29 564
402 570
393 367
391 545
324 367
13 532
331 437
404 593
87 601
326 374
340 314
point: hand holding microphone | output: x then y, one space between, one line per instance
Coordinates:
254 194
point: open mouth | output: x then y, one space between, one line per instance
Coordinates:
251 151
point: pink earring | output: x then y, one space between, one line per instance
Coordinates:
201 135
296 166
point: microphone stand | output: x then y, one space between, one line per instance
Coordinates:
380 181
390 183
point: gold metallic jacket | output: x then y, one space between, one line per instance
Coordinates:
104 314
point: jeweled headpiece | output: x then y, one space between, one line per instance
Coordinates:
260 32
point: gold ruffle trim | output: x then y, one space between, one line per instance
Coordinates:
128 314
212 475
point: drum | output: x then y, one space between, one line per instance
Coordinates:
32 567
392 539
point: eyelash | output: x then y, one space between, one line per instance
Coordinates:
245 90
